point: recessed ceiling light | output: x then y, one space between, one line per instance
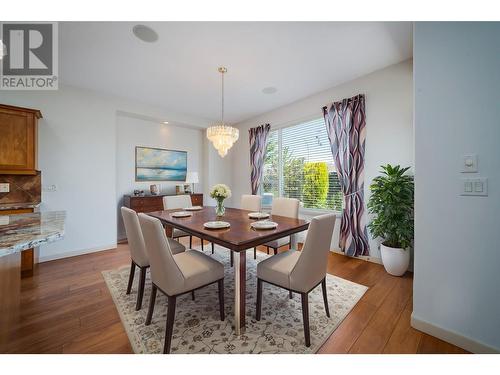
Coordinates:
165 122
269 90
145 33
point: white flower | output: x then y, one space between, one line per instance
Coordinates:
220 191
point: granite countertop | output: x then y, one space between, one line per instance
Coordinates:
16 206
19 232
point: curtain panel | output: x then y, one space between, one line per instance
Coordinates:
346 126
258 142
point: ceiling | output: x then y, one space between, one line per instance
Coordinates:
179 71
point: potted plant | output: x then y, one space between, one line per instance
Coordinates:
391 203
220 192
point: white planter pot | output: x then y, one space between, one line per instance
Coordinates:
395 260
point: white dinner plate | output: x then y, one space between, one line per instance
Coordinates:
262 225
258 215
193 208
181 214
216 224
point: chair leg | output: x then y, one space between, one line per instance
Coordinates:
325 298
290 245
220 284
275 250
254 253
232 257
213 247
131 277
192 295
267 250
190 242
259 300
140 293
152 301
170 324
305 318
290 294
202 249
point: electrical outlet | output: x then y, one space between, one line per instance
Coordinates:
50 188
4 187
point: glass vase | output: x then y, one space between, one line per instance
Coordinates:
220 209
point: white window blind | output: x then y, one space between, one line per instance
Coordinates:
299 164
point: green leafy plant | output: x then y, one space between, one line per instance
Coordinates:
315 184
391 203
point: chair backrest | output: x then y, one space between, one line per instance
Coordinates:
310 268
164 270
134 237
171 202
251 202
285 207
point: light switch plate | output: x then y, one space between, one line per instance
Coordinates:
474 186
469 163
4 187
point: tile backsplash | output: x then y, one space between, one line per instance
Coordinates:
22 188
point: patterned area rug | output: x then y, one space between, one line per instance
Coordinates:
197 328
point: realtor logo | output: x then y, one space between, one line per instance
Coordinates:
28 53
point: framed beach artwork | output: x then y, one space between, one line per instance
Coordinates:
157 164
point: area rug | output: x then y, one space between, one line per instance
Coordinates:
198 329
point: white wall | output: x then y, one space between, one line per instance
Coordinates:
77 150
389 125
132 132
457 252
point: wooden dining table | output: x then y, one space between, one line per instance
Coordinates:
238 238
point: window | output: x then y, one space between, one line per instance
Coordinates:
299 164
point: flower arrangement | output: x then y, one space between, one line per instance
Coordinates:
220 192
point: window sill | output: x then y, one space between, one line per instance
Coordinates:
315 212
310 211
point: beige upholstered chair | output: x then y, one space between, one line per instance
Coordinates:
138 251
283 207
300 271
251 203
171 202
176 274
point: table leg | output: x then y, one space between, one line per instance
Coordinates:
240 278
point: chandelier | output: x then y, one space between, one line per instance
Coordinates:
220 134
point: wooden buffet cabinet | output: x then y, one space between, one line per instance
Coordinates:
150 203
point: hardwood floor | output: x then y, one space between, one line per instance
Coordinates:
67 308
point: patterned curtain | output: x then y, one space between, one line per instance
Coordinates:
258 141
345 123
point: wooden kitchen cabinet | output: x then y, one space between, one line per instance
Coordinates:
18 139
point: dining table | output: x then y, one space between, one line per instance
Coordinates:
239 237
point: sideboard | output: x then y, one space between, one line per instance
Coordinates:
150 203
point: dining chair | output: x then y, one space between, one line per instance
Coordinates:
251 203
300 271
288 207
176 274
171 202
138 252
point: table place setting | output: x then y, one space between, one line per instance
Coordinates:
258 215
216 224
263 225
181 214
193 208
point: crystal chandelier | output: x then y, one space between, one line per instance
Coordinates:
220 134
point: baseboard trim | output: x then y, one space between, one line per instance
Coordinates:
75 253
452 337
365 258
